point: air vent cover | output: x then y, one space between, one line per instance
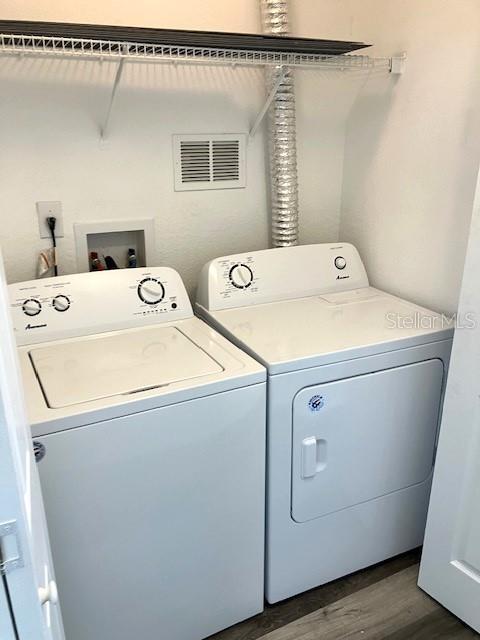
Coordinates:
209 161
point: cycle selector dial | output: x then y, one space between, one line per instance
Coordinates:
151 291
241 276
32 307
61 303
340 262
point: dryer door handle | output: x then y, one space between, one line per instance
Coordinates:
314 456
309 457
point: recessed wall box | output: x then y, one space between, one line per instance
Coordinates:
114 238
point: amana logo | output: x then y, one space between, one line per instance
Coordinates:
316 403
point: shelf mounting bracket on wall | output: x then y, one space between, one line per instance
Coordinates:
398 64
268 101
113 93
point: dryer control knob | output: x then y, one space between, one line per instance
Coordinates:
151 291
241 276
61 303
340 262
32 307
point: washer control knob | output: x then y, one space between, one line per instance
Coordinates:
151 291
241 276
32 307
340 262
61 303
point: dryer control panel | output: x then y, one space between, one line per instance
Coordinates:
280 274
86 303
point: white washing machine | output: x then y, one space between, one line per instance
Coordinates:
355 384
149 431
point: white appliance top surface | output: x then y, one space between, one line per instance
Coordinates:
96 346
84 380
317 330
117 365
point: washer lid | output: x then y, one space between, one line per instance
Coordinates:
103 366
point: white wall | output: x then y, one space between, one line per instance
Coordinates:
51 150
396 177
413 147
216 15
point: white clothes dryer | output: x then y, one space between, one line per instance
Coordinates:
149 430
355 384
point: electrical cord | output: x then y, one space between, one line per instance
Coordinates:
52 222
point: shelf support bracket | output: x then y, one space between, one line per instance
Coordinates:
268 102
113 93
398 64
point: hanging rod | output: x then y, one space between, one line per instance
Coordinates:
46 46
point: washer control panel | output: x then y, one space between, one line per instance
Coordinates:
86 303
280 274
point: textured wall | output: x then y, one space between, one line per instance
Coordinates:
413 145
395 174
49 119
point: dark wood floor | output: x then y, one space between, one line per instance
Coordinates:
382 602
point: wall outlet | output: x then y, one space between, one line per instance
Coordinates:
44 211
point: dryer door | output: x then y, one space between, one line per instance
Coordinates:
360 438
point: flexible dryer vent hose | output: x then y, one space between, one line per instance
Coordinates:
282 143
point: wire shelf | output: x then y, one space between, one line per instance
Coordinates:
122 51
14 44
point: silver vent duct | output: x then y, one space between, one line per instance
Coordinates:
282 143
